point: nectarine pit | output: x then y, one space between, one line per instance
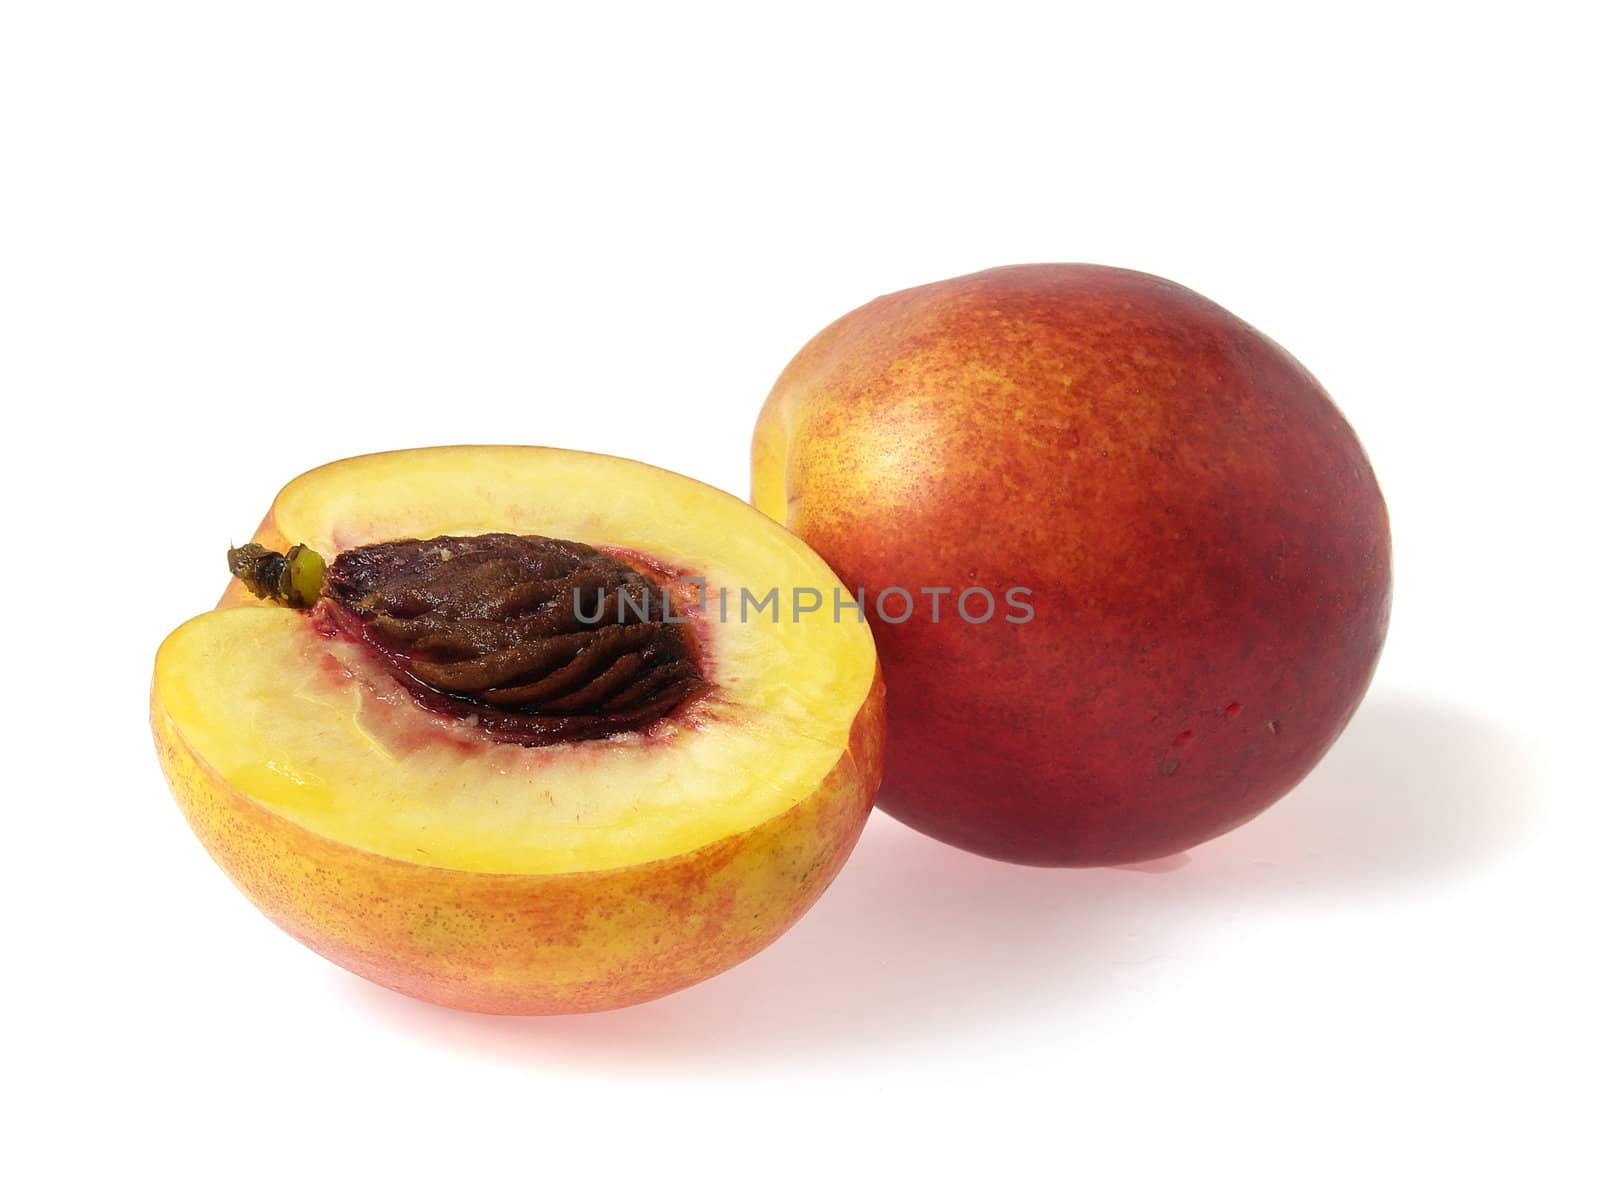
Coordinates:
534 640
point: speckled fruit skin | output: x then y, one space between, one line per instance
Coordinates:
534 944
1206 545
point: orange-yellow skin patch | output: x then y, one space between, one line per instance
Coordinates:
535 944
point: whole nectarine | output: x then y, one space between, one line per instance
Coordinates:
1162 555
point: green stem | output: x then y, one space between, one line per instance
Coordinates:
293 579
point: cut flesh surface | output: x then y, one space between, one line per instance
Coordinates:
309 725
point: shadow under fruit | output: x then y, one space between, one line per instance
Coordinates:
1204 545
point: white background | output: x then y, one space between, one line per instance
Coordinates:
241 240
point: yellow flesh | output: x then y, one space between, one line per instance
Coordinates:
310 728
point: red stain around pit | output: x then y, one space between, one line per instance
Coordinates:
394 717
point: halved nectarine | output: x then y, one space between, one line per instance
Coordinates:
448 777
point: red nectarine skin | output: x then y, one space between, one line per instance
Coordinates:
1205 541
